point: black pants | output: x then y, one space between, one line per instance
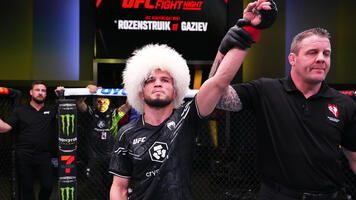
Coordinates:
267 193
99 178
30 168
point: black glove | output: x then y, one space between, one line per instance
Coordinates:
236 37
268 16
242 38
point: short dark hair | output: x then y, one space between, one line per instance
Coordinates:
37 83
294 47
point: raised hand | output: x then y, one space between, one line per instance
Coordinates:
58 90
261 13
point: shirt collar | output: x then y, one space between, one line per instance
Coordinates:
289 86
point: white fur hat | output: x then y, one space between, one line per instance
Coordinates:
144 62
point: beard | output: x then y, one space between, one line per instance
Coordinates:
158 103
38 101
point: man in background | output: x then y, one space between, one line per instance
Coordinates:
102 125
35 135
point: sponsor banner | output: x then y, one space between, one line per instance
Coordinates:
67 125
109 92
67 189
67 165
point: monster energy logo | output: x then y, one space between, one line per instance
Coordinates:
67 120
67 193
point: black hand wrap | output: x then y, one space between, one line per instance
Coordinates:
268 16
236 37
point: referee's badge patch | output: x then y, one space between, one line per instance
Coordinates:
333 109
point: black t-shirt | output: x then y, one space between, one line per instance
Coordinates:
100 137
35 129
158 159
298 138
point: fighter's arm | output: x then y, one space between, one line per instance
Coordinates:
119 188
4 127
236 43
229 99
212 89
351 157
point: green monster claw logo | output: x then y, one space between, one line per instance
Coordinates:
67 120
67 193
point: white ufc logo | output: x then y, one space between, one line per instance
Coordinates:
139 140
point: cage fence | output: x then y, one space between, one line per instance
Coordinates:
224 167
6 105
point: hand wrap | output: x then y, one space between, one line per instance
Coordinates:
242 38
236 37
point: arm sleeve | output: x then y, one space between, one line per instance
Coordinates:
13 118
248 92
348 139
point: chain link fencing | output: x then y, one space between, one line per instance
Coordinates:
6 105
9 98
224 167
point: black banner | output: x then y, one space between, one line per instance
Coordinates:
67 122
67 145
193 27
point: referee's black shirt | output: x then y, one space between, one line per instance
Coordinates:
34 129
298 138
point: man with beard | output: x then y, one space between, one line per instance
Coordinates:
154 153
35 134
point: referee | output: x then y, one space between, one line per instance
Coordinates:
301 124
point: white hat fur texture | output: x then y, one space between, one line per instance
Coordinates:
144 62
